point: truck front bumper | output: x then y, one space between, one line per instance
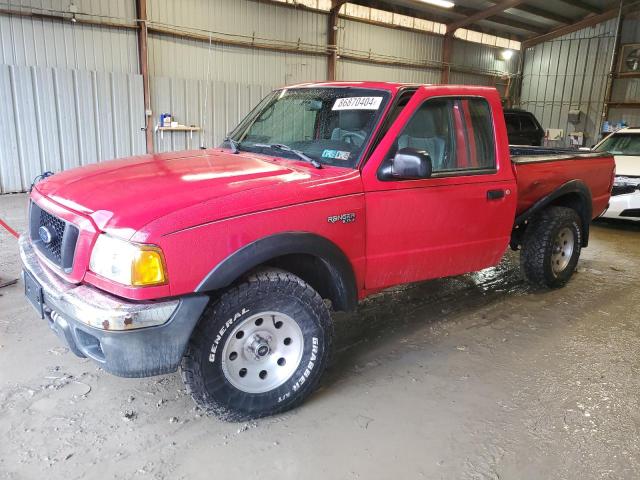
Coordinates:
128 339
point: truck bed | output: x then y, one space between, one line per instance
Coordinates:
541 170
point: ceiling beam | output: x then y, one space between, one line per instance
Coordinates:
583 5
429 12
482 14
588 21
539 12
511 22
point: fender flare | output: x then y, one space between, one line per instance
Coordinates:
571 187
268 248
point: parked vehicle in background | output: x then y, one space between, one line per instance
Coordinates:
624 145
225 262
523 128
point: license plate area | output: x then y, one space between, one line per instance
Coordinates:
33 292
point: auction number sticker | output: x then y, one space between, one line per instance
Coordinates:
357 103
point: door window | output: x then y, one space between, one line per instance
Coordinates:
457 133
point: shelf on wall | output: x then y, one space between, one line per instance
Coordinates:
179 128
624 104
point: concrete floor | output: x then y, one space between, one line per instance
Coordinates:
469 377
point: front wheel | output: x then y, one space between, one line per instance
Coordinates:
260 349
551 247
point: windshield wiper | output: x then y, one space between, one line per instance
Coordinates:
297 153
233 143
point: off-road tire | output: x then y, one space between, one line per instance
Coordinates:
266 291
539 242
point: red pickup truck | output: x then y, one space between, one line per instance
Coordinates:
226 262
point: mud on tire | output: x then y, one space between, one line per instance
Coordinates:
551 247
242 361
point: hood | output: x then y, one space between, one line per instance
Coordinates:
628 165
122 196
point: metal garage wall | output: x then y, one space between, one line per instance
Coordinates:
52 43
388 43
248 20
480 57
239 76
182 58
226 104
626 89
57 118
569 73
355 70
70 91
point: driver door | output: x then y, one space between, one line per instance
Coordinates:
458 220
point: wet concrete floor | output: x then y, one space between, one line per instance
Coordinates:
476 377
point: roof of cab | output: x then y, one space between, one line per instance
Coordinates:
629 130
393 86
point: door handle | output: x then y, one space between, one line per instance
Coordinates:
495 194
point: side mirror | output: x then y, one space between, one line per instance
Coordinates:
410 164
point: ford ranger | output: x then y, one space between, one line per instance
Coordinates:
225 262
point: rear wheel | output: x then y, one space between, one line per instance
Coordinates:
551 247
260 349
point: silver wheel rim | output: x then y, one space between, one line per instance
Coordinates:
262 352
562 250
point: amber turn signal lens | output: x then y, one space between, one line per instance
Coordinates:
148 268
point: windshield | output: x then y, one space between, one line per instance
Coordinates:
328 125
621 144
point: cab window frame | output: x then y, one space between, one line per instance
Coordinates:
493 170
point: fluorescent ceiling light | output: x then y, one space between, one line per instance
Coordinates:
506 54
439 3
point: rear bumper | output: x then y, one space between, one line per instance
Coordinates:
624 207
128 339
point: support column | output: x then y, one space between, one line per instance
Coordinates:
143 56
447 46
332 39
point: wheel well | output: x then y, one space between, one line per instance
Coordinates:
318 273
574 200
316 260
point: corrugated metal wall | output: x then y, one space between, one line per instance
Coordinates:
56 118
238 76
625 89
355 70
248 20
217 110
385 43
41 42
569 73
70 91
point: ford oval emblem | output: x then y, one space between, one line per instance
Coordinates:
45 235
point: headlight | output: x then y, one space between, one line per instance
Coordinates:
128 263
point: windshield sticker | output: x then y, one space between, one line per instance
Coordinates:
357 103
336 154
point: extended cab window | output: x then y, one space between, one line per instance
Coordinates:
457 133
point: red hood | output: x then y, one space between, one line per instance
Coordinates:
127 194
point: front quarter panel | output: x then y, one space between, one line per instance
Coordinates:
194 252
